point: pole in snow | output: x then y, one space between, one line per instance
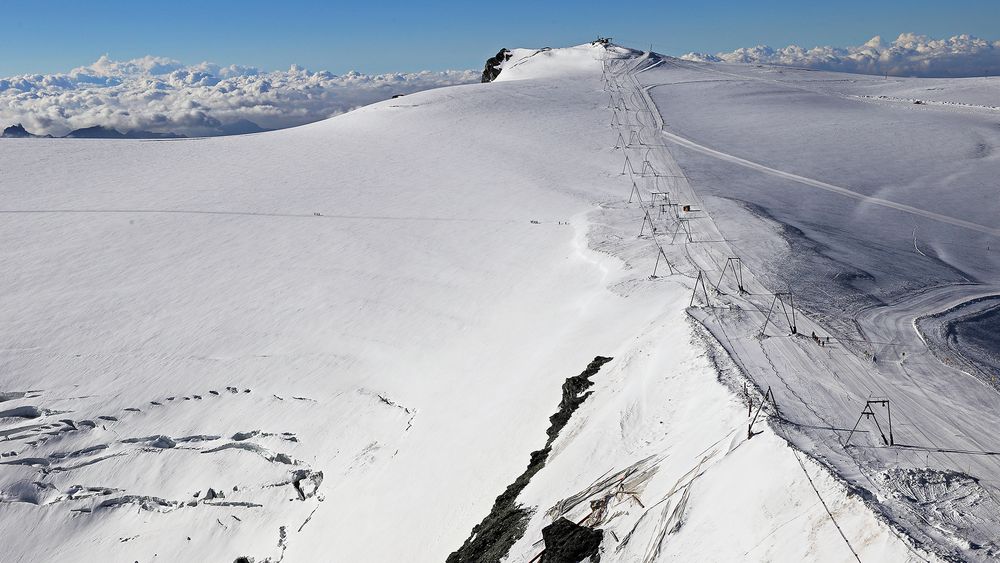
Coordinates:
646 219
779 298
767 396
660 253
635 191
736 265
627 166
869 413
620 143
635 139
682 225
694 293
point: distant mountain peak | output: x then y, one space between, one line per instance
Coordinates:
241 127
238 127
18 132
101 132
95 132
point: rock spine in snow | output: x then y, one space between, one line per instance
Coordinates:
492 538
492 69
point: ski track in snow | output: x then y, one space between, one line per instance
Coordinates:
917 404
829 187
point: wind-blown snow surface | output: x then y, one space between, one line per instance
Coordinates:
391 298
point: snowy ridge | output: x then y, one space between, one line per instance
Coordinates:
649 510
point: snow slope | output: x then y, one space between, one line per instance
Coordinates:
356 331
874 211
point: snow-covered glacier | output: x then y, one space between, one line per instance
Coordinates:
346 341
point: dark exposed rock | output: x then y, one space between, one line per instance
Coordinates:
566 542
101 132
492 69
95 132
307 482
139 134
573 396
492 538
17 132
238 127
241 127
157 441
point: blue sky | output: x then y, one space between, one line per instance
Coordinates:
43 36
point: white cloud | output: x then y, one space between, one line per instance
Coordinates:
162 95
908 55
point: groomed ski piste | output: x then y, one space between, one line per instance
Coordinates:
343 341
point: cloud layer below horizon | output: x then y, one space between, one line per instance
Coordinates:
909 55
164 96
